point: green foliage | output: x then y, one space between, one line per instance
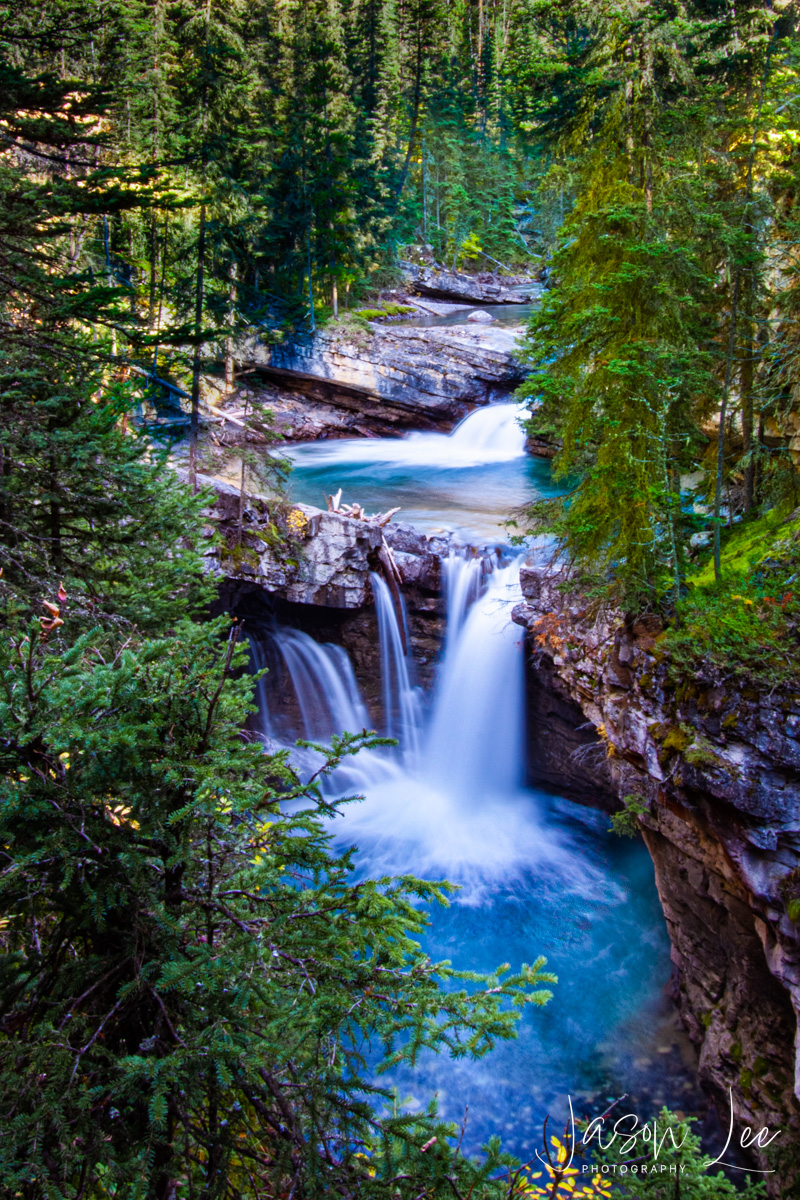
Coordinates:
90 504
745 627
660 311
680 1149
624 323
189 976
626 823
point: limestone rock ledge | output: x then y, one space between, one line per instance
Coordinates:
394 378
441 284
717 771
331 556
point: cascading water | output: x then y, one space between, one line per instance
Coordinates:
490 434
327 697
401 700
466 482
475 743
537 875
462 580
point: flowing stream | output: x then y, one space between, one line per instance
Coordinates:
537 874
467 482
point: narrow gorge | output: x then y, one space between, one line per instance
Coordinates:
524 716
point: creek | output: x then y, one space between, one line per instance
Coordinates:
537 874
467 483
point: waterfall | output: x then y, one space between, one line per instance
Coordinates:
462 580
323 681
401 703
259 662
490 434
476 741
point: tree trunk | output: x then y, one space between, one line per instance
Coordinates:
229 363
746 373
412 133
723 415
310 278
198 325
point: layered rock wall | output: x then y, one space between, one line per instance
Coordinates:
441 284
715 775
393 378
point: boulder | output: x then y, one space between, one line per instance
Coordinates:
480 317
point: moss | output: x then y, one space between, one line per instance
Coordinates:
730 721
370 314
702 754
746 625
398 310
736 1052
746 543
659 730
678 738
269 534
240 557
706 1019
760 1067
746 1080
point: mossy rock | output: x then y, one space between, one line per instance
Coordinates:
398 310
678 738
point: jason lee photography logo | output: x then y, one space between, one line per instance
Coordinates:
645 1142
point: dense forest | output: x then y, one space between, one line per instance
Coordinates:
190 977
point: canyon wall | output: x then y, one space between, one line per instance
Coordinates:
711 776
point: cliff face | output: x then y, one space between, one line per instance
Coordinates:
716 773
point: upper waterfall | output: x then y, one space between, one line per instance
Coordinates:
488 435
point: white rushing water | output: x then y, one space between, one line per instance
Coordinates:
488 435
402 705
449 801
537 874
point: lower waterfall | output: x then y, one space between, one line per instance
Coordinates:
536 874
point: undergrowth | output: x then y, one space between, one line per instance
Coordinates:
747 626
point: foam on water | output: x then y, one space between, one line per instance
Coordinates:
450 801
488 435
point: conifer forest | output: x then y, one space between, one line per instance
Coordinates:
399 599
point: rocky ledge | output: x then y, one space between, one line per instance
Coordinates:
441 284
321 582
711 775
329 556
387 379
